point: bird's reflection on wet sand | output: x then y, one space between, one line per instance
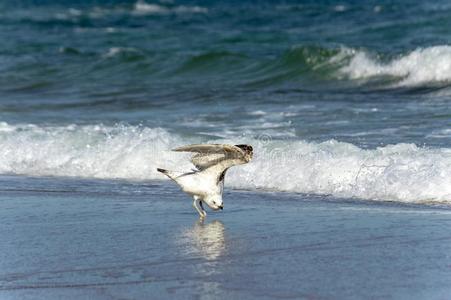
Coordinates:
205 239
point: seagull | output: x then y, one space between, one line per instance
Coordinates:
206 182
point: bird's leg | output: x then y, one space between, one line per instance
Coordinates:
197 204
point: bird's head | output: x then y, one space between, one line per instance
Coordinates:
248 151
214 202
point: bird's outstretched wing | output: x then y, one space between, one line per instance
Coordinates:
209 148
222 155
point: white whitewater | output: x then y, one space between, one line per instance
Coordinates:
401 172
421 66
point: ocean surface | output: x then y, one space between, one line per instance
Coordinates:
346 103
350 99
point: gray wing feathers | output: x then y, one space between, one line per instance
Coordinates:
209 148
208 155
203 161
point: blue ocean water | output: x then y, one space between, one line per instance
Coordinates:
349 98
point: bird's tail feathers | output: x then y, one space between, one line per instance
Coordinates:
162 170
170 174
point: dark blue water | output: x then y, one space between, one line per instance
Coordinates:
87 87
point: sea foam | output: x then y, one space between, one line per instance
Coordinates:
144 8
419 67
401 172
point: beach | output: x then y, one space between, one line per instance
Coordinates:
346 105
98 239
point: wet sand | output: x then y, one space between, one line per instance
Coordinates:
92 239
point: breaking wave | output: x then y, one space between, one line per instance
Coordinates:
401 172
144 8
424 66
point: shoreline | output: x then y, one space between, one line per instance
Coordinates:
94 239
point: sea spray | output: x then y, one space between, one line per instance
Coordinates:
423 66
401 172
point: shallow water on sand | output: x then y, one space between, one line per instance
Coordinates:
69 238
